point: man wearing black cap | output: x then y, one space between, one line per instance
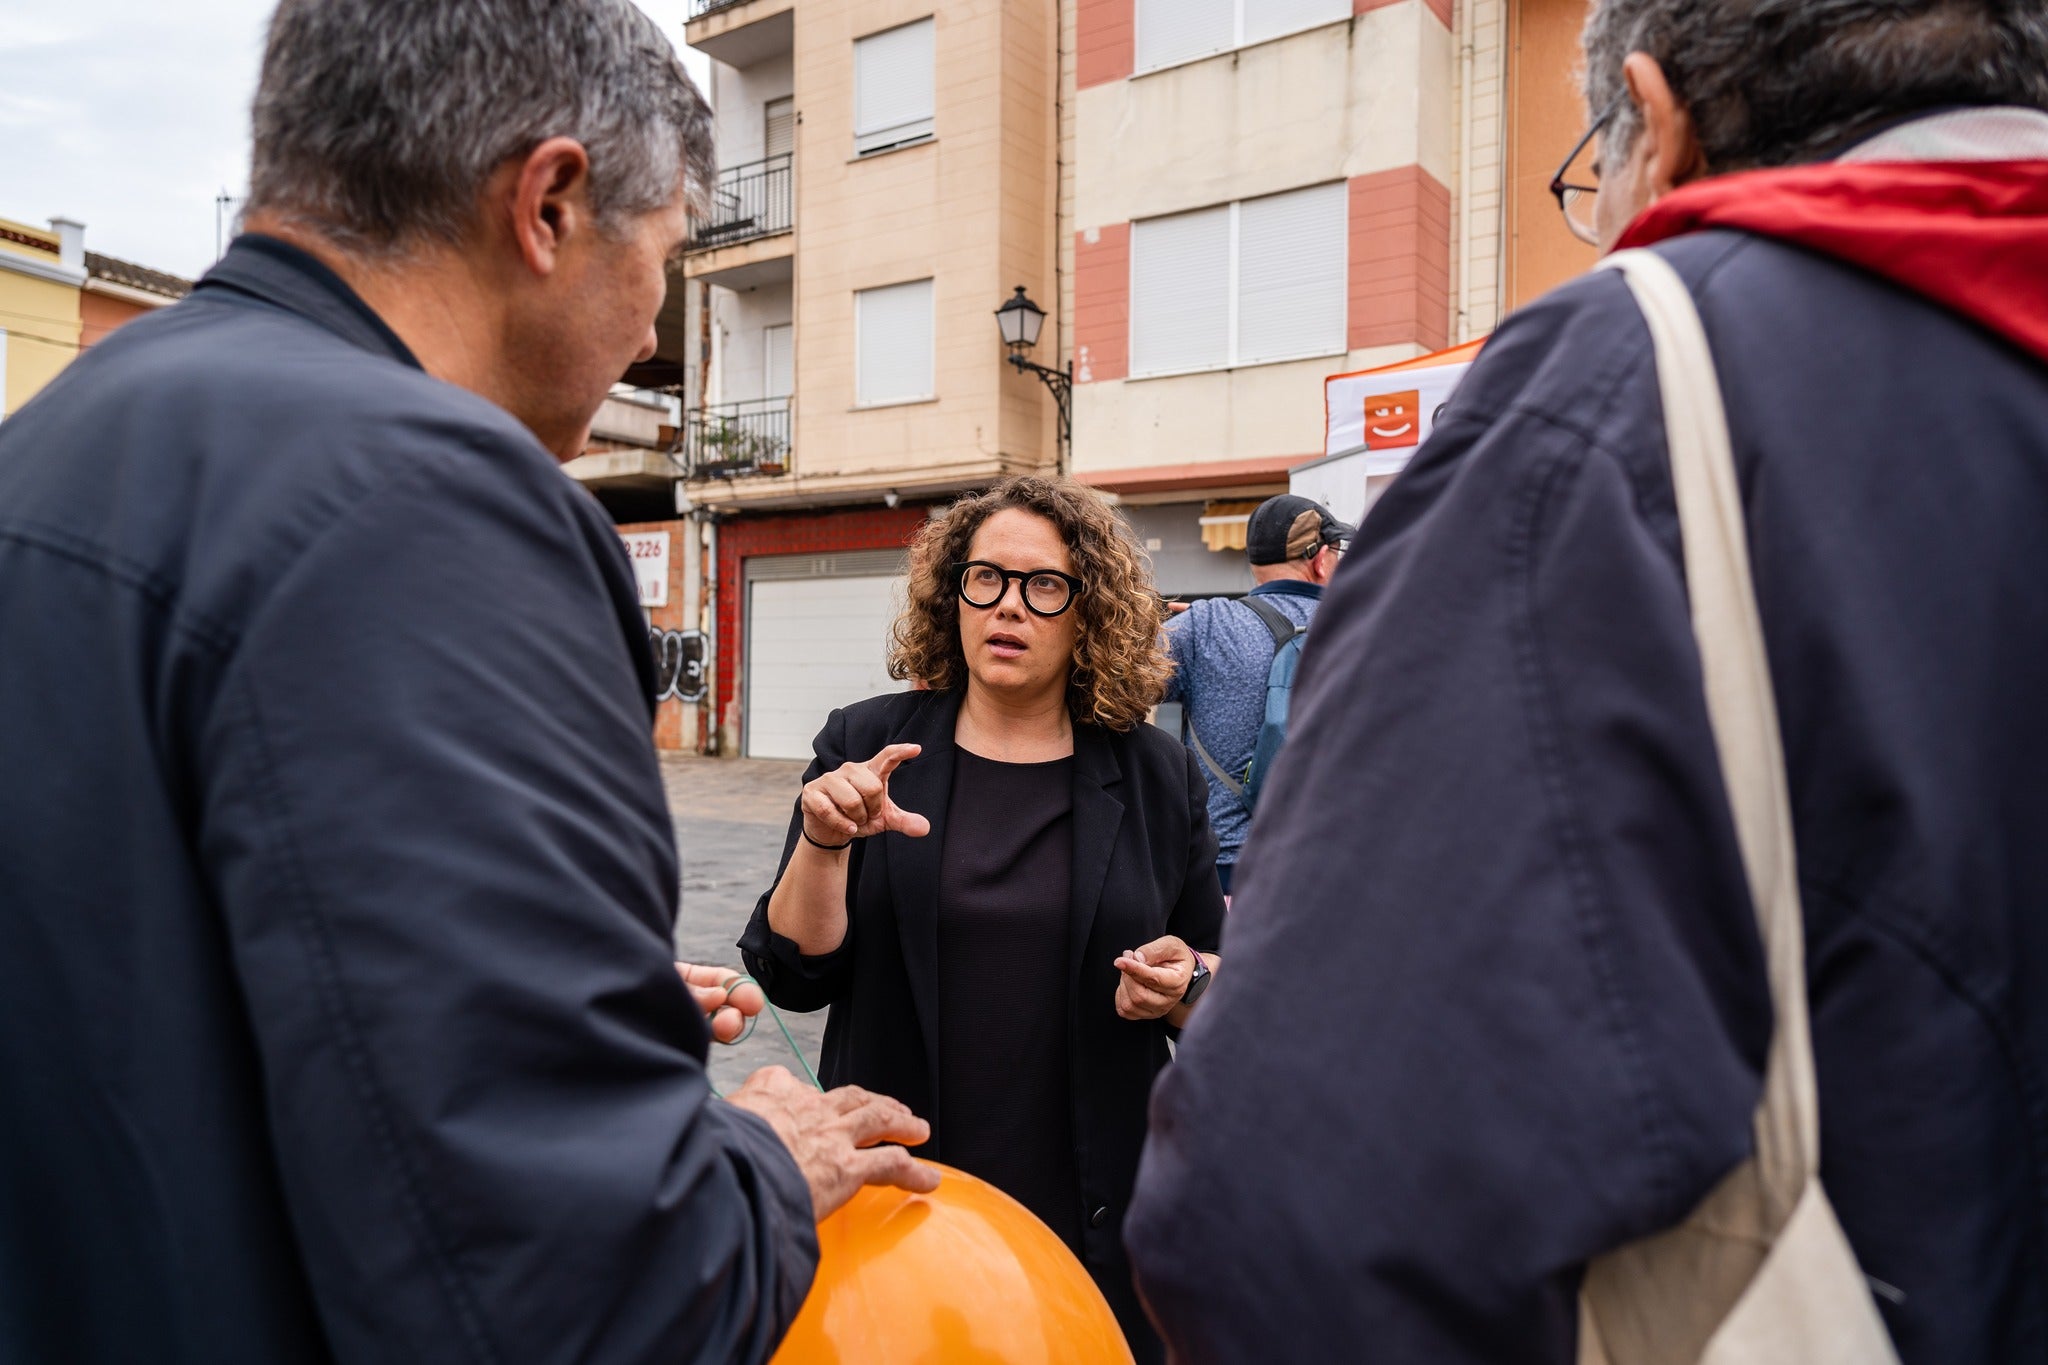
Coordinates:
1223 651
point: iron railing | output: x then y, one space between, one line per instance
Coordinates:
736 438
700 8
754 200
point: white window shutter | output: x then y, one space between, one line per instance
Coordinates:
1180 292
893 331
1172 31
1265 19
893 88
1291 274
779 116
778 361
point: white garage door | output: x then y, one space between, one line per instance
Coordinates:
813 644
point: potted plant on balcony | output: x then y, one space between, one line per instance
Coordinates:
726 450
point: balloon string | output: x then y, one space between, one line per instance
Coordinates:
734 984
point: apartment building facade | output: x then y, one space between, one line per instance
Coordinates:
1216 203
888 178
1267 192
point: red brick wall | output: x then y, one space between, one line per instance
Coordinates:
1400 260
1105 40
1440 8
855 528
1102 303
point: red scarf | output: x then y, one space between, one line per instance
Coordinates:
1970 235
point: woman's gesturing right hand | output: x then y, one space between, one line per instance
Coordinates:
852 801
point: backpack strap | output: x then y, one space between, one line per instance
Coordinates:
1282 628
1230 784
1278 622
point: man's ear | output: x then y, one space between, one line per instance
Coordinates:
1671 151
550 201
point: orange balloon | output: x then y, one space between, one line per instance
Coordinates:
965 1275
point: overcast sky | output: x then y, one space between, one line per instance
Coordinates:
132 115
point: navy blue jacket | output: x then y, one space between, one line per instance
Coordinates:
337 1012
1495 999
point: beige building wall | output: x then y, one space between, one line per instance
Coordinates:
1347 99
972 210
39 312
1066 166
1480 101
1370 96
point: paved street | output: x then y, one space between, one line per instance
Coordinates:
730 816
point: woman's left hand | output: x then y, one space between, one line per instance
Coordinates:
1155 977
727 998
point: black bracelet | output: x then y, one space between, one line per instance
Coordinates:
829 848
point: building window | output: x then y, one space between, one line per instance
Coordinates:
892 88
893 344
1242 284
1175 31
778 361
778 133
3 372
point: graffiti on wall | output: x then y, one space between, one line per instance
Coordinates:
678 664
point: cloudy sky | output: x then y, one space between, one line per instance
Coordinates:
132 115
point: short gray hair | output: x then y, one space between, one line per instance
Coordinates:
1780 82
378 122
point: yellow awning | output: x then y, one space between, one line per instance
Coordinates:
1223 523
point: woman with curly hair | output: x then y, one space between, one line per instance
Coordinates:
1003 884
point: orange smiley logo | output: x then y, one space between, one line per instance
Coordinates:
1393 420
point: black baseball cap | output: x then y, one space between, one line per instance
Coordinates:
1290 527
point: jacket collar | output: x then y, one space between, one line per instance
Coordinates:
1969 233
1288 587
280 274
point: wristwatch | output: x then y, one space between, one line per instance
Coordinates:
1197 983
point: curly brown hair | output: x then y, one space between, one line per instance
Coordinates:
1120 667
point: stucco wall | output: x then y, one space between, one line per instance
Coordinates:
99 314
1369 94
1369 101
1545 116
969 210
739 95
1481 163
741 357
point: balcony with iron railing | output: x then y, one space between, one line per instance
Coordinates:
727 440
751 201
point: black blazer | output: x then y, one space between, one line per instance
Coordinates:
1144 865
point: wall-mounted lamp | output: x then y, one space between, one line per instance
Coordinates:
1020 320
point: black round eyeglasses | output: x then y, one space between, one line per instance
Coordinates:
1046 592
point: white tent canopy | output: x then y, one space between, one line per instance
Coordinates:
1374 421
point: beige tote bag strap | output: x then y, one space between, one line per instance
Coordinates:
1763 1258
1741 704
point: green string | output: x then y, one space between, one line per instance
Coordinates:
733 984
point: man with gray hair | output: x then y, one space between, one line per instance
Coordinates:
1495 898
336 879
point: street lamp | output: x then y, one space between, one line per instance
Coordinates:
1020 320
